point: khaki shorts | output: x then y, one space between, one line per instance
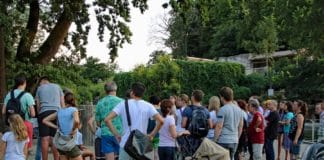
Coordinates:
75 152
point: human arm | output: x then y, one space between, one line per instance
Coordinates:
26 150
300 122
109 124
48 120
158 126
240 127
32 111
3 146
76 122
257 123
184 122
91 125
218 129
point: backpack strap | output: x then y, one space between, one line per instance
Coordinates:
12 94
127 114
21 94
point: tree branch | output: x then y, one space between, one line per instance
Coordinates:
53 42
27 38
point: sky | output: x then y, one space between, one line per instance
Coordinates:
139 50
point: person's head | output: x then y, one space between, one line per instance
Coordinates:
253 105
44 80
20 81
288 106
214 103
282 105
318 108
18 127
69 99
197 96
110 87
155 100
128 93
138 90
242 104
226 94
182 100
300 107
173 99
272 105
166 107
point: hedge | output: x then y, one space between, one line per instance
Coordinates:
168 77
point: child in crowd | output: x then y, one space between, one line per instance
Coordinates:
213 108
14 144
85 152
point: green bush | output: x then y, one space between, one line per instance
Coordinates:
168 77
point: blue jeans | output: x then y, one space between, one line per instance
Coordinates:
231 147
269 149
38 155
166 153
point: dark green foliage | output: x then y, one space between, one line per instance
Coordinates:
256 82
301 79
168 77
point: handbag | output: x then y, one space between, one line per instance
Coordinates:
138 145
63 142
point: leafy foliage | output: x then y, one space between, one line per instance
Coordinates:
169 77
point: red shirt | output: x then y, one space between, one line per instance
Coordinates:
256 137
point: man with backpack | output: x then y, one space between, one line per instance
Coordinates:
195 117
230 122
20 102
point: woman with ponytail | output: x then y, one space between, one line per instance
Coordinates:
14 143
296 134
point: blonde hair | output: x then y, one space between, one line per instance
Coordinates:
214 103
18 127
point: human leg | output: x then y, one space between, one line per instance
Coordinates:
257 151
231 147
166 153
109 146
98 153
269 149
280 142
123 155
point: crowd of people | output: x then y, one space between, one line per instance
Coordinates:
239 126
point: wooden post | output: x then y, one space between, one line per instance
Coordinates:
86 112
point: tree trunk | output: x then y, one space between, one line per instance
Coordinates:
53 42
2 66
27 38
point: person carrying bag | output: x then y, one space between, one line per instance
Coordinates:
138 145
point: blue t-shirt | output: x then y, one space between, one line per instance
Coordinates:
287 117
49 96
66 119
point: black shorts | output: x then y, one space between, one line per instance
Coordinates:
45 130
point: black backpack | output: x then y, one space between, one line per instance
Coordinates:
14 106
198 126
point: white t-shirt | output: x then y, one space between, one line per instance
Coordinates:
179 119
213 118
140 112
14 149
166 139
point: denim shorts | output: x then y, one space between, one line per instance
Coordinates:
295 149
109 144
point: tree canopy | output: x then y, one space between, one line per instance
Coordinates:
210 29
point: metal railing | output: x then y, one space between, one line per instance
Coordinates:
310 131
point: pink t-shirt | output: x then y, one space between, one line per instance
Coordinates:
166 139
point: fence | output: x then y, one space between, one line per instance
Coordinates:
310 130
86 112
